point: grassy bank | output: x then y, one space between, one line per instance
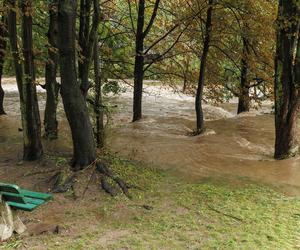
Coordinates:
167 212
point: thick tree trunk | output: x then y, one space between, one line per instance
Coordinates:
203 61
3 34
27 90
51 85
139 64
73 100
287 81
244 95
100 136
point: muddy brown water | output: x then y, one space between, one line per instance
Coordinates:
233 147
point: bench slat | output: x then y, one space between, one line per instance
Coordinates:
37 195
26 207
13 197
34 201
9 188
21 198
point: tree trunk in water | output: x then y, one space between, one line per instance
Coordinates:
3 34
100 136
139 64
27 90
203 61
244 97
287 81
73 100
51 85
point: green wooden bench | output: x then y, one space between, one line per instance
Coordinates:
22 199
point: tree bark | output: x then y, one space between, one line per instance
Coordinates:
203 62
86 40
51 85
100 136
73 100
33 145
26 83
139 70
287 80
139 63
3 35
244 95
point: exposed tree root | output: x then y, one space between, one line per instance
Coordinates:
66 185
109 182
107 187
107 174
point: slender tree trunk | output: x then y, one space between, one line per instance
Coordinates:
83 62
3 34
139 64
27 90
33 145
203 61
244 95
287 80
51 85
87 34
73 100
100 136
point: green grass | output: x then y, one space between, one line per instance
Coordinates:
183 215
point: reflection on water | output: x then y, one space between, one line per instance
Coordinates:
236 146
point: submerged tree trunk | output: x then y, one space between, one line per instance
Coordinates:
139 63
287 80
203 61
3 34
244 95
26 84
73 100
51 85
98 105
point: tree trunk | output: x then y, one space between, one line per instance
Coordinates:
32 136
51 85
27 90
203 61
244 95
73 100
287 80
3 34
100 136
139 64
86 40
83 62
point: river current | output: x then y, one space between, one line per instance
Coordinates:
233 146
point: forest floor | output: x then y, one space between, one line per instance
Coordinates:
165 212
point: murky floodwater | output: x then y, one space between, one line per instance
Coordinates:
233 146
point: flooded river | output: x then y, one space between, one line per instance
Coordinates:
232 146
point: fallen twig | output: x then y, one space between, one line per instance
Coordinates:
227 215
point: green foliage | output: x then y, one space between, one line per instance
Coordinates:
111 87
